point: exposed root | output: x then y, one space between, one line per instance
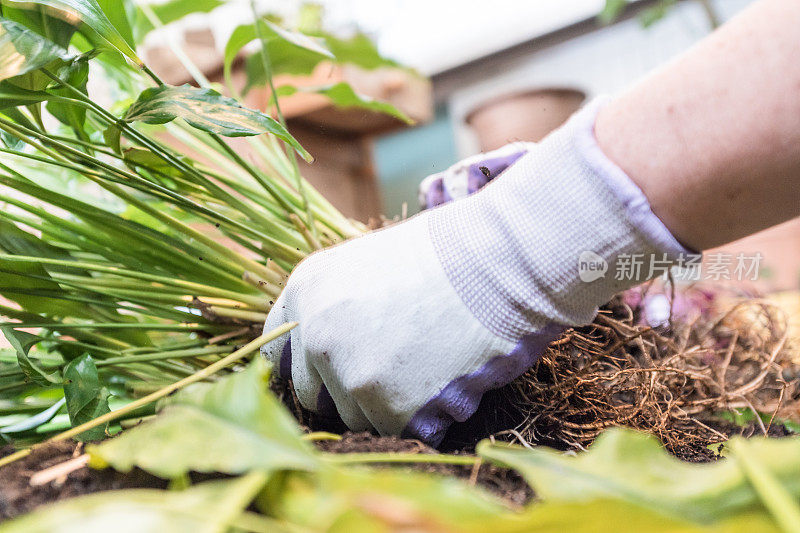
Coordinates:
670 381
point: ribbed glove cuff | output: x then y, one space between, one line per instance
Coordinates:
525 251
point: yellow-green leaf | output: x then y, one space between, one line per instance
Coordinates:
629 466
344 96
206 110
232 426
205 508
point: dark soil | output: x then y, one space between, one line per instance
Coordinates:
502 482
17 496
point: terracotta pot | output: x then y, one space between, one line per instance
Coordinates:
526 116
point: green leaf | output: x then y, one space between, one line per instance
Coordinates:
344 96
69 114
286 48
23 51
88 13
232 426
205 508
285 58
598 516
35 18
112 136
10 141
357 50
206 110
26 276
633 467
380 500
139 157
13 96
173 10
22 342
390 500
119 13
612 10
86 398
270 31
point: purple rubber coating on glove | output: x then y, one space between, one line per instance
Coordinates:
325 406
285 363
461 397
476 178
435 194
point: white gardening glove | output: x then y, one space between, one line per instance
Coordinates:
404 329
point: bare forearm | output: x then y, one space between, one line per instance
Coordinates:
713 139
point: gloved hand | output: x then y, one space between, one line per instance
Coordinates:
404 329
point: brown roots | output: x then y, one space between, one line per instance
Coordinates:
672 381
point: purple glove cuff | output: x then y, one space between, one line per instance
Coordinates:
637 207
460 398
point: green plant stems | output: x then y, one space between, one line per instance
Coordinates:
188 64
158 150
175 354
197 288
274 97
194 378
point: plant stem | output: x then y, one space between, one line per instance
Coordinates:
711 13
187 63
166 391
274 97
147 326
151 74
197 288
175 354
316 436
157 149
780 503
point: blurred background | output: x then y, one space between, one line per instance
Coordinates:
480 74
497 71
485 73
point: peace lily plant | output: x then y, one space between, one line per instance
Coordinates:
130 264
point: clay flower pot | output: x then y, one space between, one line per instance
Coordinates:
522 116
